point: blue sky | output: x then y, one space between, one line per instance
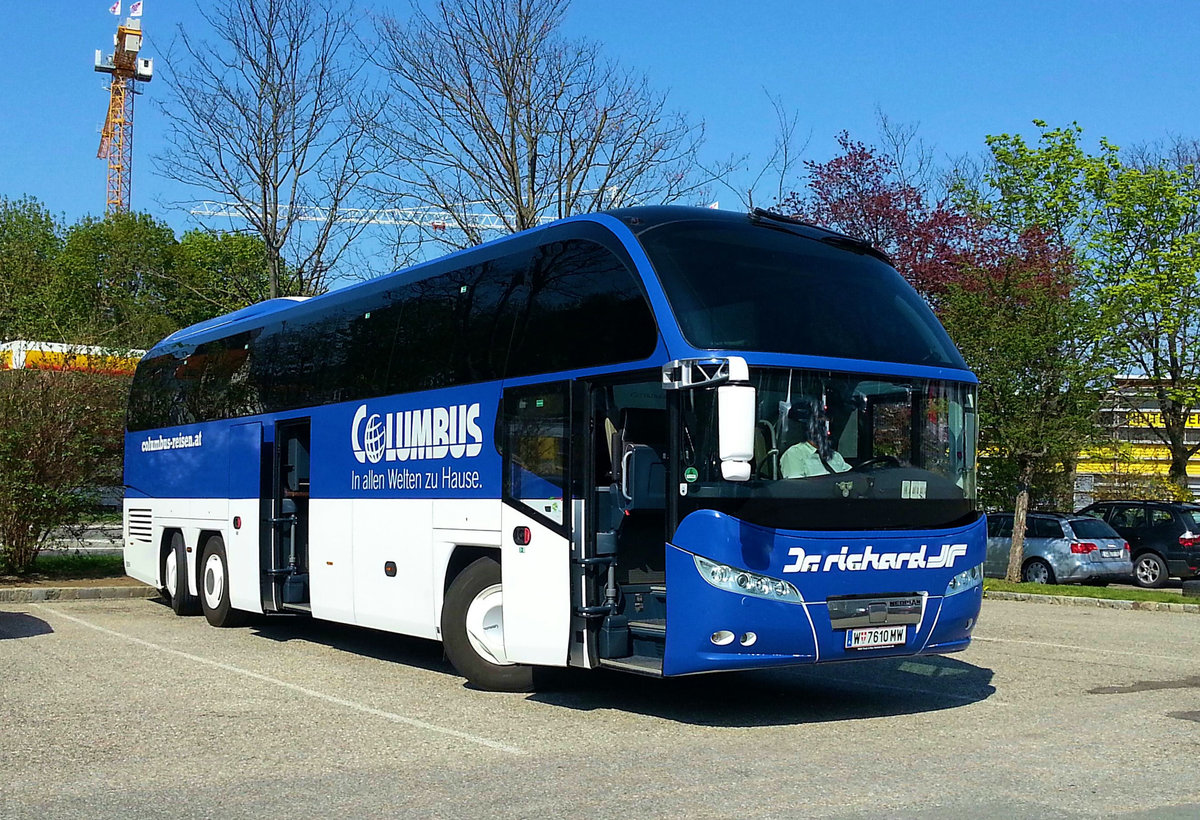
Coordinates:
960 70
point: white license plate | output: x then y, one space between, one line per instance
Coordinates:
1110 553
872 637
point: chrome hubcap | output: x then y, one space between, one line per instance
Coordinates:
485 625
171 574
214 581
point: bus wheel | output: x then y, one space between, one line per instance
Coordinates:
214 586
473 630
174 575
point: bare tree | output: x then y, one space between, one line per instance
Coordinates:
775 174
910 155
489 110
262 116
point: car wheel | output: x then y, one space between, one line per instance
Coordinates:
1037 571
473 630
175 582
1149 570
214 586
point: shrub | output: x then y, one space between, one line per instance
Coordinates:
60 439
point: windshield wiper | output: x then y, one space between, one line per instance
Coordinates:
759 216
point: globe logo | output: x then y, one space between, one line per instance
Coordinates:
373 440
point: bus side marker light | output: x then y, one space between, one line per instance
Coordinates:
522 536
389 569
237 522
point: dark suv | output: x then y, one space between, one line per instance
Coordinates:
1163 536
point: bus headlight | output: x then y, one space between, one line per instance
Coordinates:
746 583
967 579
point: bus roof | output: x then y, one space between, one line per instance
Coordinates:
635 220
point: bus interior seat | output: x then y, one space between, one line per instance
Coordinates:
641 474
766 453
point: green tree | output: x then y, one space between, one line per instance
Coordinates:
1135 229
1146 247
216 273
113 283
1022 328
29 243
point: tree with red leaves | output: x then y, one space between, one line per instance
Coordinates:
864 193
1007 294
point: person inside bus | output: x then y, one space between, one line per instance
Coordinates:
814 455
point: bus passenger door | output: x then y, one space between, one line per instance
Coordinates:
249 513
288 567
535 523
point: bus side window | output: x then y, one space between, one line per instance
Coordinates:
580 306
536 427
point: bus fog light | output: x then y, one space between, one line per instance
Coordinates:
746 583
748 639
722 638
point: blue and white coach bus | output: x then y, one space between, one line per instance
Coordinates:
661 440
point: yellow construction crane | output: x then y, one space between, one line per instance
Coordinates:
116 140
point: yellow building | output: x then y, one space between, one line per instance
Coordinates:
25 355
1136 461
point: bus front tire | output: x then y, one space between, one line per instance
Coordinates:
214 586
175 578
473 631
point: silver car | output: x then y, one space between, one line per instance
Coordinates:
1059 549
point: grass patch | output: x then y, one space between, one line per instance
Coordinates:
1081 591
71 566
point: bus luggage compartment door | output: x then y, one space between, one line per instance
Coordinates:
535 571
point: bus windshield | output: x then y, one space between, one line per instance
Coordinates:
742 286
839 451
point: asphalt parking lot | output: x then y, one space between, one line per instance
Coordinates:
120 709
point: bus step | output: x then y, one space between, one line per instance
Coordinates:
649 627
638 664
297 608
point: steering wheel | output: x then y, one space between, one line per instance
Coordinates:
864 466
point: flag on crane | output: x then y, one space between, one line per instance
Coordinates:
135 8
115 8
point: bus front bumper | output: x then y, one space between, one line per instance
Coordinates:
711 629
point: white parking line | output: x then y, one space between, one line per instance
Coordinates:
349 704
1083 648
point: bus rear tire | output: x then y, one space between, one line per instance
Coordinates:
175 578
473 631
214 586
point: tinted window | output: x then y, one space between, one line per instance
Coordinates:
1092 528
1045 528
154 397
748 287
579 306
1188 514
562 306
1160 517
999 526
1128 517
